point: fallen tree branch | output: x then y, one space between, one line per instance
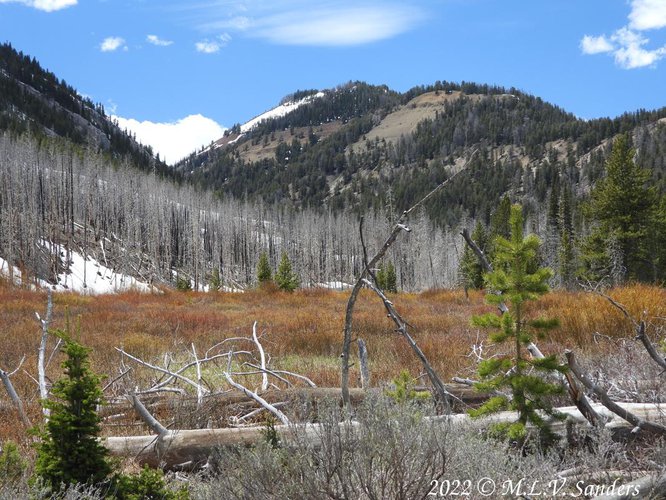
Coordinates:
285 372
160 369
645 487
281 416
640 328
152 423
616 408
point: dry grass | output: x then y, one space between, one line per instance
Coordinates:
302 331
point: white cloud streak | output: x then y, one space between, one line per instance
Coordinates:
627 45
112 43
175 140
45 5
156 40
315 22
213 46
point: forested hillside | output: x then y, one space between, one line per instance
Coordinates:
35 100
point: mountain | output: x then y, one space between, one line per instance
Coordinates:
81 207
359 147
33 99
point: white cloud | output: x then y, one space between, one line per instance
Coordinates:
595 44
647 14
45 5
174 141
631 53
627 45
213 46
156 40
112 43
314 22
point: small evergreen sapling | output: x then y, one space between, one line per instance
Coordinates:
387 280
264 273
70 451
285 278
516 280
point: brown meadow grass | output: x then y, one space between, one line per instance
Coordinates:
301 331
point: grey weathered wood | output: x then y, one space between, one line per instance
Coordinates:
652 486
363 361
14 396
616 408
397 229
195 446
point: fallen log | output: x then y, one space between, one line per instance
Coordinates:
193 447
309 395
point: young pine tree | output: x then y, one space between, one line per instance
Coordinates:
387 279
264 273
285 278
70 451
515 281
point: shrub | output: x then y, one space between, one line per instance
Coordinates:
12 465
149 484
183 284
404 390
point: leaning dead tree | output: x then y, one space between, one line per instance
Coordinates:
6 381
440 393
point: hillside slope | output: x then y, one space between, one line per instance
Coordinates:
33 99
360 146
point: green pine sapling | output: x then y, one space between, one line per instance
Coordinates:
517 279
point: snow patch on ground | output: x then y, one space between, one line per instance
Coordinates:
335 285
15 273
87 276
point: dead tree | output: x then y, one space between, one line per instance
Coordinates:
400 226
638 422
5 376
41 363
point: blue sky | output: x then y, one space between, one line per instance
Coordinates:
178 72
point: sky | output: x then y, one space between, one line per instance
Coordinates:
177 72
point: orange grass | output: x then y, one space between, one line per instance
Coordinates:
302 331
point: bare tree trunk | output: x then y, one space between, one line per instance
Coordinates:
399 226
13 396
41 368
193 447
363 360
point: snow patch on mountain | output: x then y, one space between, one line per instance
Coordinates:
279 111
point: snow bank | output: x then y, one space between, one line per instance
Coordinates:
87 276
